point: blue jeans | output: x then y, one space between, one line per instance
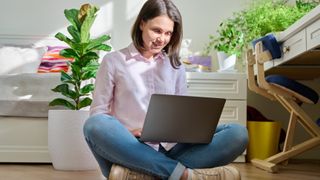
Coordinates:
110 142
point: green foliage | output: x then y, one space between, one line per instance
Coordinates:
262 17
83 50
230 39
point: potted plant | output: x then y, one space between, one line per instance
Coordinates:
229 39
228 44
235 34
66 143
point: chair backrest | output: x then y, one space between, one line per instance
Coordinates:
252 83
261 57
276 85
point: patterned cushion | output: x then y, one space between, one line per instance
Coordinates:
53 62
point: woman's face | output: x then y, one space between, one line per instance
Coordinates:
156 34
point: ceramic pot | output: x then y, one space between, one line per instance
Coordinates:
66 143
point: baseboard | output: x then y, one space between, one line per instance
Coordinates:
23 154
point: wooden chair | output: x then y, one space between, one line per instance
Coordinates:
290 97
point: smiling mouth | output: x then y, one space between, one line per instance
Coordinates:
157 46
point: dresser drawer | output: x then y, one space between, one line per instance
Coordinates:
313 35
234 112
220 85
293 47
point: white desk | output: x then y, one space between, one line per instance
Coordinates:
301 49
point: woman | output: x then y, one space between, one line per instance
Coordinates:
125 82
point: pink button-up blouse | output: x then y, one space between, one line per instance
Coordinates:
125 82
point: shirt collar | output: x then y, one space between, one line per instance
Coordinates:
134 53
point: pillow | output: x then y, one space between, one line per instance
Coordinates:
15 60
53 62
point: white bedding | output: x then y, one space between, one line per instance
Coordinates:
27 94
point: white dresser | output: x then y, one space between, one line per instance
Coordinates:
231 86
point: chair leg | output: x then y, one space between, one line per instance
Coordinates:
309 125
289 151
290 134
295 150
265 165
270 164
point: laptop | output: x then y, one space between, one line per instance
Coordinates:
181 119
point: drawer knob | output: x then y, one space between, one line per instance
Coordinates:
286 49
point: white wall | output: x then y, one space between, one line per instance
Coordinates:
202 17
45 18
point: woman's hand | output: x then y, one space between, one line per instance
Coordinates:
136 132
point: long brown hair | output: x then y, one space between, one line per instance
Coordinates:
155 8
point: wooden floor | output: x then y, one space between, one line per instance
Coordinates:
295 170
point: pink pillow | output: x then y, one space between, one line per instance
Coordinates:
53 62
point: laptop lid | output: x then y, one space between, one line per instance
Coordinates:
182 119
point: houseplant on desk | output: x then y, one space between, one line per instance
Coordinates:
67 147
229 44
235 34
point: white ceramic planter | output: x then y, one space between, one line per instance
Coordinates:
67 146
222 56
226 63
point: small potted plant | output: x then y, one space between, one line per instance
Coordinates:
235 34
67 147
229 39
228 44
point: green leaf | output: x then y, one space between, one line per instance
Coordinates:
86 25
88 75
103 47
76 70
90 70
86 89
87 58
62 102
69 53
64 90
73 31
90 55
93 63
91 66
66 78
72 16
85 102
64 38
97 42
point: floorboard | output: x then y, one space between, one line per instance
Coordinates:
295 170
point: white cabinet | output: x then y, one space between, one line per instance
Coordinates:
231 86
